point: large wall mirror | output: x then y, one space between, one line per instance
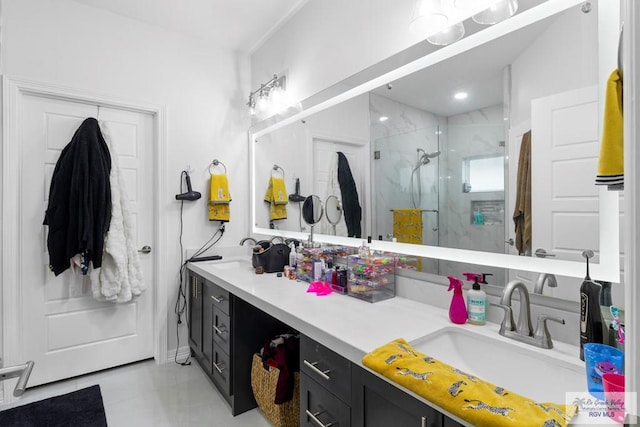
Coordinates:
438 170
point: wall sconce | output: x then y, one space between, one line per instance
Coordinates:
269 94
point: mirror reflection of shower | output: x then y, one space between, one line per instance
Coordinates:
415 185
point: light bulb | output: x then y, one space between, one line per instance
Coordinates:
447 35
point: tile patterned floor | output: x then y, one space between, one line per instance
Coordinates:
145 394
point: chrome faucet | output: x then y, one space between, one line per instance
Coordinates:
542 279
243 241
523 331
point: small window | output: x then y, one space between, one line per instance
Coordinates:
483 174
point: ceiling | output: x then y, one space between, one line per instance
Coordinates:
478 72
241 25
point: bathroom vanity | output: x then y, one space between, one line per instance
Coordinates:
224 333
336 332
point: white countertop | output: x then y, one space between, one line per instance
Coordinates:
349 326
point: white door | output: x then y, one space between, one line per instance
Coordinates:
64 330
324 155
564 197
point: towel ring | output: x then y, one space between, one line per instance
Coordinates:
277 168
217 162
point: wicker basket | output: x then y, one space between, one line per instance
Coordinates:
263 383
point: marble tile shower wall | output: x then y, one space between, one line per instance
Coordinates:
474 134
396 140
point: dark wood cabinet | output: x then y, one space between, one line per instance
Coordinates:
195 288
319 407
325 386
377 403
224 333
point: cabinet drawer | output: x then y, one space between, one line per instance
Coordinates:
221 370
221 330
327 367
320 408
220 298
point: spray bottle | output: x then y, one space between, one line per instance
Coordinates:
457 310
476 299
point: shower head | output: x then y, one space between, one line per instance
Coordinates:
425 158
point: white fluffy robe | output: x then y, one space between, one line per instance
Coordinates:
120 277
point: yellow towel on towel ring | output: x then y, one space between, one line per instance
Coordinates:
219 189
276 196
219 198
477 401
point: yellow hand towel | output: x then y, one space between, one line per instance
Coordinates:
407 225
407 228
611 161
276 196
479 402
219 189
219 212
219 198
278 191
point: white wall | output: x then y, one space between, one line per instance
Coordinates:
330 40
570 43
64 43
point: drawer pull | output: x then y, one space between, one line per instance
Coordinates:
315 419
218 330
218 368
313 367
218 299
424 422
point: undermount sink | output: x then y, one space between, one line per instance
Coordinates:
528 372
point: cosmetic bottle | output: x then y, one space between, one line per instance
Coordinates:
477 304
292 255
328 273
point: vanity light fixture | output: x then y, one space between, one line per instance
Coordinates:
497 12
448 35
427 16
441 21
461 95
268 93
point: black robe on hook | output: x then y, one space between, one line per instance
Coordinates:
350 203
79 210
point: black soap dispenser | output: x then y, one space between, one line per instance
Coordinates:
590 314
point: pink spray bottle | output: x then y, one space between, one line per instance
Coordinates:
457 310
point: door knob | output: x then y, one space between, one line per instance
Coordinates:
542 253
510 242
145 249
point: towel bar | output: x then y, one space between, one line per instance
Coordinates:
21 371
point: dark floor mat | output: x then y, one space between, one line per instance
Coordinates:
81 408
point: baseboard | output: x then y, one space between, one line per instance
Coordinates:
183 354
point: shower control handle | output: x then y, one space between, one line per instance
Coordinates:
510 242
